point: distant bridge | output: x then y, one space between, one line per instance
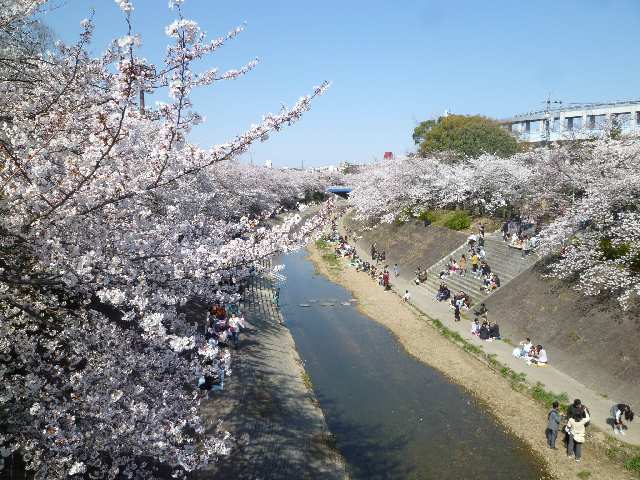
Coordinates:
575 121
339 190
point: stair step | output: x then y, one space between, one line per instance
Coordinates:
505 261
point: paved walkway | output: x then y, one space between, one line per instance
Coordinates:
552 379
279 428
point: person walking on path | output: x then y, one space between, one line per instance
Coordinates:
396 270
576 427
618 411
553 425
456 313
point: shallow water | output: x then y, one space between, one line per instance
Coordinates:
393 417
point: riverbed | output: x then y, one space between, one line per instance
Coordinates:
392 416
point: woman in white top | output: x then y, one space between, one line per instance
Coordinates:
539 357
576 427
523 349
475 327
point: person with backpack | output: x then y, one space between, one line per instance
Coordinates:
553 425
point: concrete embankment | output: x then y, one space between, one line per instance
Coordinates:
268 406
590 338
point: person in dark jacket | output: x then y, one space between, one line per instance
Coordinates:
494 331
553 425
574 408
484 331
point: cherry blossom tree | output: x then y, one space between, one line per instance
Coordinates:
587 193
110 221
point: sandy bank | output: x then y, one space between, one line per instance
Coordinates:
518 412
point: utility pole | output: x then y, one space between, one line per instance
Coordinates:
141 98
547 117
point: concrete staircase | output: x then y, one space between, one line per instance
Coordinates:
505 261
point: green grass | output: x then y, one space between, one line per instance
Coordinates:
492 358
583 474
452 219
322 244
332 259
547 398
633 464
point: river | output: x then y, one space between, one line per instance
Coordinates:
392 416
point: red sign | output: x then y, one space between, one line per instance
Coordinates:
388 155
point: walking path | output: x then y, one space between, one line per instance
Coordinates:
266 405
552 379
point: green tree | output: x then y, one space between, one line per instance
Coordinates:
470 135
420 132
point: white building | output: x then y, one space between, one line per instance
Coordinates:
575 121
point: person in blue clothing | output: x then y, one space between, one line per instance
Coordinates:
553 425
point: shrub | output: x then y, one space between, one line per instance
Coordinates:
322 244
427 215
458 220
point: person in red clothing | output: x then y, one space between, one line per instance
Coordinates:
385 279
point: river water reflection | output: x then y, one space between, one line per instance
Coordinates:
393 417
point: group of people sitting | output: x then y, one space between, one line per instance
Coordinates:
420 275
533 354
381 275
343 249
486 331
520 235
443 292
377 255
480 268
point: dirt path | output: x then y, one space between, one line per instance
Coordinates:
518 412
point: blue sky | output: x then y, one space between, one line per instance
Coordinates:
392 63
